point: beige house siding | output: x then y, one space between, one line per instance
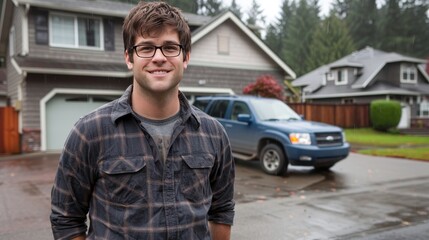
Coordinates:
243 52
214 77
17 24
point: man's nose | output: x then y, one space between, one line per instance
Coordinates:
158 55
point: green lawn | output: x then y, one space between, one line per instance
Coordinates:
389 144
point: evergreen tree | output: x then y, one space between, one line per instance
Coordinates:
273 38
361 21
415 24
282 25
342 8
276 31
255 17
296 44
210 7
331 41
236 9
391 36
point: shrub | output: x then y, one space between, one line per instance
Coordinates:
385 114
265 86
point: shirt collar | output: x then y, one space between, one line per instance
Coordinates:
122 107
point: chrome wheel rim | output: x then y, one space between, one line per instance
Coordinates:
271 160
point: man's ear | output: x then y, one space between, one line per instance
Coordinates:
128 60
186 60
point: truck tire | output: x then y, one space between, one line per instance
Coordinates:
273 160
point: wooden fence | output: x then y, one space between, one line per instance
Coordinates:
342 115
9 136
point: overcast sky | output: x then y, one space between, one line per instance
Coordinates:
271 8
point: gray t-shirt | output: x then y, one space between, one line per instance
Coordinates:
161 131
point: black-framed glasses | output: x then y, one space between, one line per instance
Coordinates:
148 51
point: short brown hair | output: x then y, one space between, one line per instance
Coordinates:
150 18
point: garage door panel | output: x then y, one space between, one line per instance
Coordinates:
62 112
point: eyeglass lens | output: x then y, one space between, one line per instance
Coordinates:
148 51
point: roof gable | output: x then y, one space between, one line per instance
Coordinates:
228 15
371 60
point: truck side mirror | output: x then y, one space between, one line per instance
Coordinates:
244 118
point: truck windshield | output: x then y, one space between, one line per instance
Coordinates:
273 110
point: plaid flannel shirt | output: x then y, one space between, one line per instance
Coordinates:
110 168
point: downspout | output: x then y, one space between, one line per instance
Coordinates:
25 44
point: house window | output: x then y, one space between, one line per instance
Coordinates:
75 31
424 109
223 44
341 77
408 73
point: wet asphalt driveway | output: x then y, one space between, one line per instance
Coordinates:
362 197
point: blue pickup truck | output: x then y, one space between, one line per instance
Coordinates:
269 130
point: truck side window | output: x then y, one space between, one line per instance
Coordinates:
201 104
239 108
218 109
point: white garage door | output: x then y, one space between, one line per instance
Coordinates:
62 112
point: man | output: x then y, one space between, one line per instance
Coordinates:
147 165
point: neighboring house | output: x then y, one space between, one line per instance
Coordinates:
65 58
367 75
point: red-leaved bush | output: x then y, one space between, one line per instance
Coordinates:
265 86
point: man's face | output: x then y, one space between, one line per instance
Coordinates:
158 74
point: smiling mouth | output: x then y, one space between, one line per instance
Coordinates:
159 72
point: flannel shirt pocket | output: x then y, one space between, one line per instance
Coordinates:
124 179
195 180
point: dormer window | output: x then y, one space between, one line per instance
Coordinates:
75 31
341 78
330 76
408 73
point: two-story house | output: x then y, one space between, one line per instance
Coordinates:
65 58
367 75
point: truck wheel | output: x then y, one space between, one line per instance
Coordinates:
272 160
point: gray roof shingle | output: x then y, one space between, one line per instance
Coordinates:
371 61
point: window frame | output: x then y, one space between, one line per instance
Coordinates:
408 68
245 110
423 110
76 31
329 76
343 75
223 44
216 107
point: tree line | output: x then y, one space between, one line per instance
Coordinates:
305 40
